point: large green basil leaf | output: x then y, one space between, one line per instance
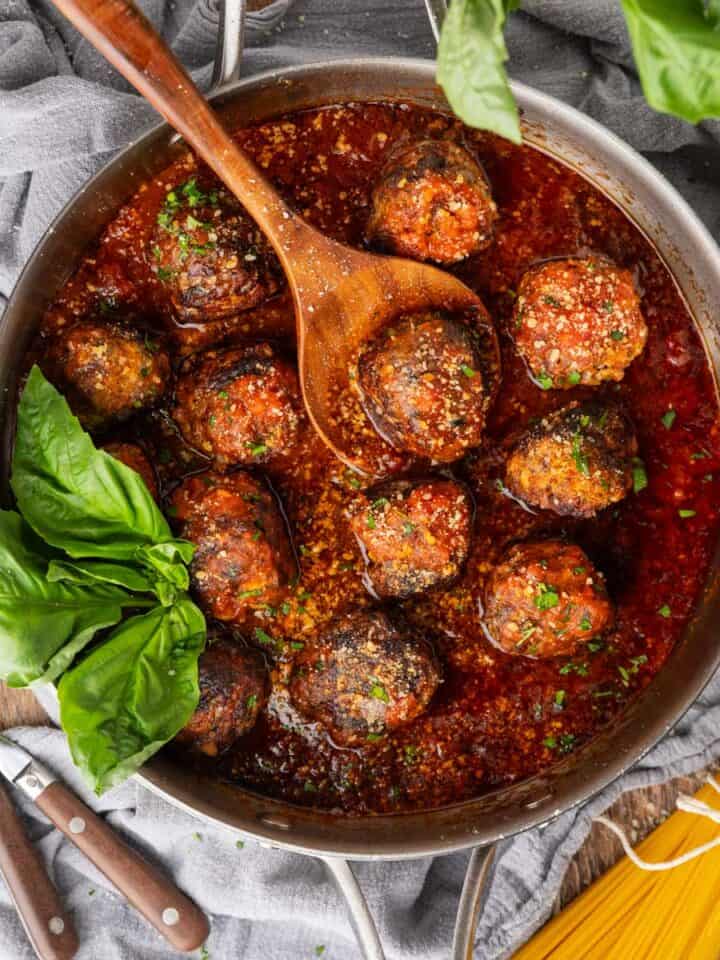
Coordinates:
44 624
677 52
133 692
103 571
471 71
76 497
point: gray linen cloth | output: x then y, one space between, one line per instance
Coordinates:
63 112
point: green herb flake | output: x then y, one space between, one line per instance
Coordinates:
617 335
639 475
559 698
544 381
319 950
567 742
579 456
378 691
547 598
468 371
624 676
608 306
374 737
371 525
550 743
585 624
264 637
685 514
665 611
579 571
668 418
309 787
251 701
240 844
257 448
574 378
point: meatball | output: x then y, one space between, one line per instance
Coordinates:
243 558
576 461
211 258
432 202
413 534
364 676
544 599
108 372
240 405
134 457
424 385
578 321
233 690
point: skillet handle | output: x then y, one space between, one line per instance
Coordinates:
471 901
230 41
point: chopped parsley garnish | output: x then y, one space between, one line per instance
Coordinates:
595 645
255 592
163 274
550 742
567 742
608 306
668 418
223 394
624 675
585 624
574 377
411 753
263 637
310 787
371 521
579 456
379 503
240 844
617 334
285 608
319 950
580 669
578 571
544 381
374 737
684 513
665 611
297 645
699 455
408 528
551 301
251 701
526 633
468 371
547 598
639 474
559 698
258 448
378 691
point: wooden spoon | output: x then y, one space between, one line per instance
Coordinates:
341 296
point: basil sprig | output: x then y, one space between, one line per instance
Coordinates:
88 544
676 45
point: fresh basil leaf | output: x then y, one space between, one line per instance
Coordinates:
94 571
471 58
677 53
76 497
169 559
44 624
133 692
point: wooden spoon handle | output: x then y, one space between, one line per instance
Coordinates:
49 928
172 914
123 35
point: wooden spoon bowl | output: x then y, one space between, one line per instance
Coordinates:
342 296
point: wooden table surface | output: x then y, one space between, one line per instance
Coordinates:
639 811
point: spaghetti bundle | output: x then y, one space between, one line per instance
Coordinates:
631 914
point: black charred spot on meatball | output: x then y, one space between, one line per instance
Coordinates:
546 599
364 677
414 534
432 202
426 383
233 690
576 461
107 372
209 256
578 321
239 406
243 558
133 456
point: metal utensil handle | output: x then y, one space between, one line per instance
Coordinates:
230 42
471 900
436 10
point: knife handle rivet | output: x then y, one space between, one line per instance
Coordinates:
32 783
56 925
170 916
77 825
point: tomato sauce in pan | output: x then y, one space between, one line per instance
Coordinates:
496 718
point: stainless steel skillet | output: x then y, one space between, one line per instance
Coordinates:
695 262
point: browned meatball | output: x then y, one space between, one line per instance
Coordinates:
432 202
364 676
211 258
240 405
107 372
233 690
424 385
134 457
544 599
243 558
413 534
578 321
576 461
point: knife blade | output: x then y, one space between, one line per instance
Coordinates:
172 914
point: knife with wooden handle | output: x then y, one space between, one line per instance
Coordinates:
172 914
47 925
